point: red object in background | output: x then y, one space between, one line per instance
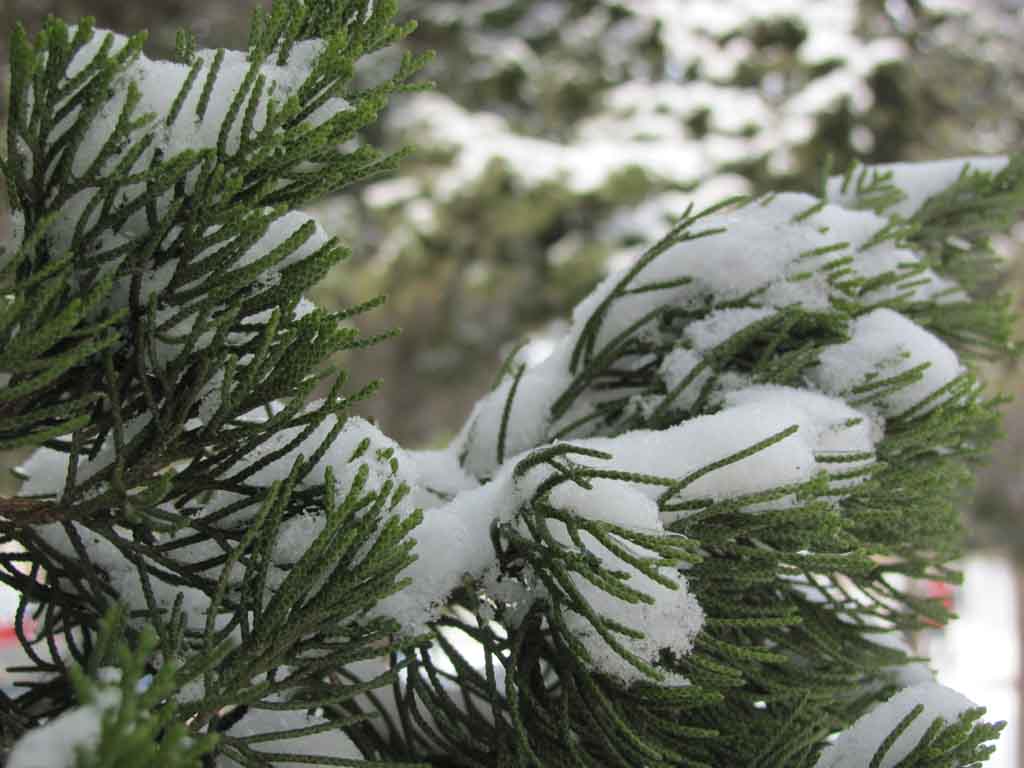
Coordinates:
939 590
9 637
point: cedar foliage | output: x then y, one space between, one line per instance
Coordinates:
147 386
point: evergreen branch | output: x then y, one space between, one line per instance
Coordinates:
28 512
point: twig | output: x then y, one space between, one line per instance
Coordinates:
22 512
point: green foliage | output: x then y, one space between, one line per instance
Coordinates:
143 341
55 323
793 597
114 371
951 231
143 729
945 745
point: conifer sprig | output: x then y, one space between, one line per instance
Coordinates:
154 304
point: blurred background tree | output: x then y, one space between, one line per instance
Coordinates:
563 132
217 21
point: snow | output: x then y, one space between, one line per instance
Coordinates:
45 472
917 181
858 744
339 453
760 257
884 344
159 83
453 540
54 744
528 419
655 214
722 324
384 194
676 368
673 618
641 118
332 742
768 256
467 488
823 429
766 259
837 427
483 139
